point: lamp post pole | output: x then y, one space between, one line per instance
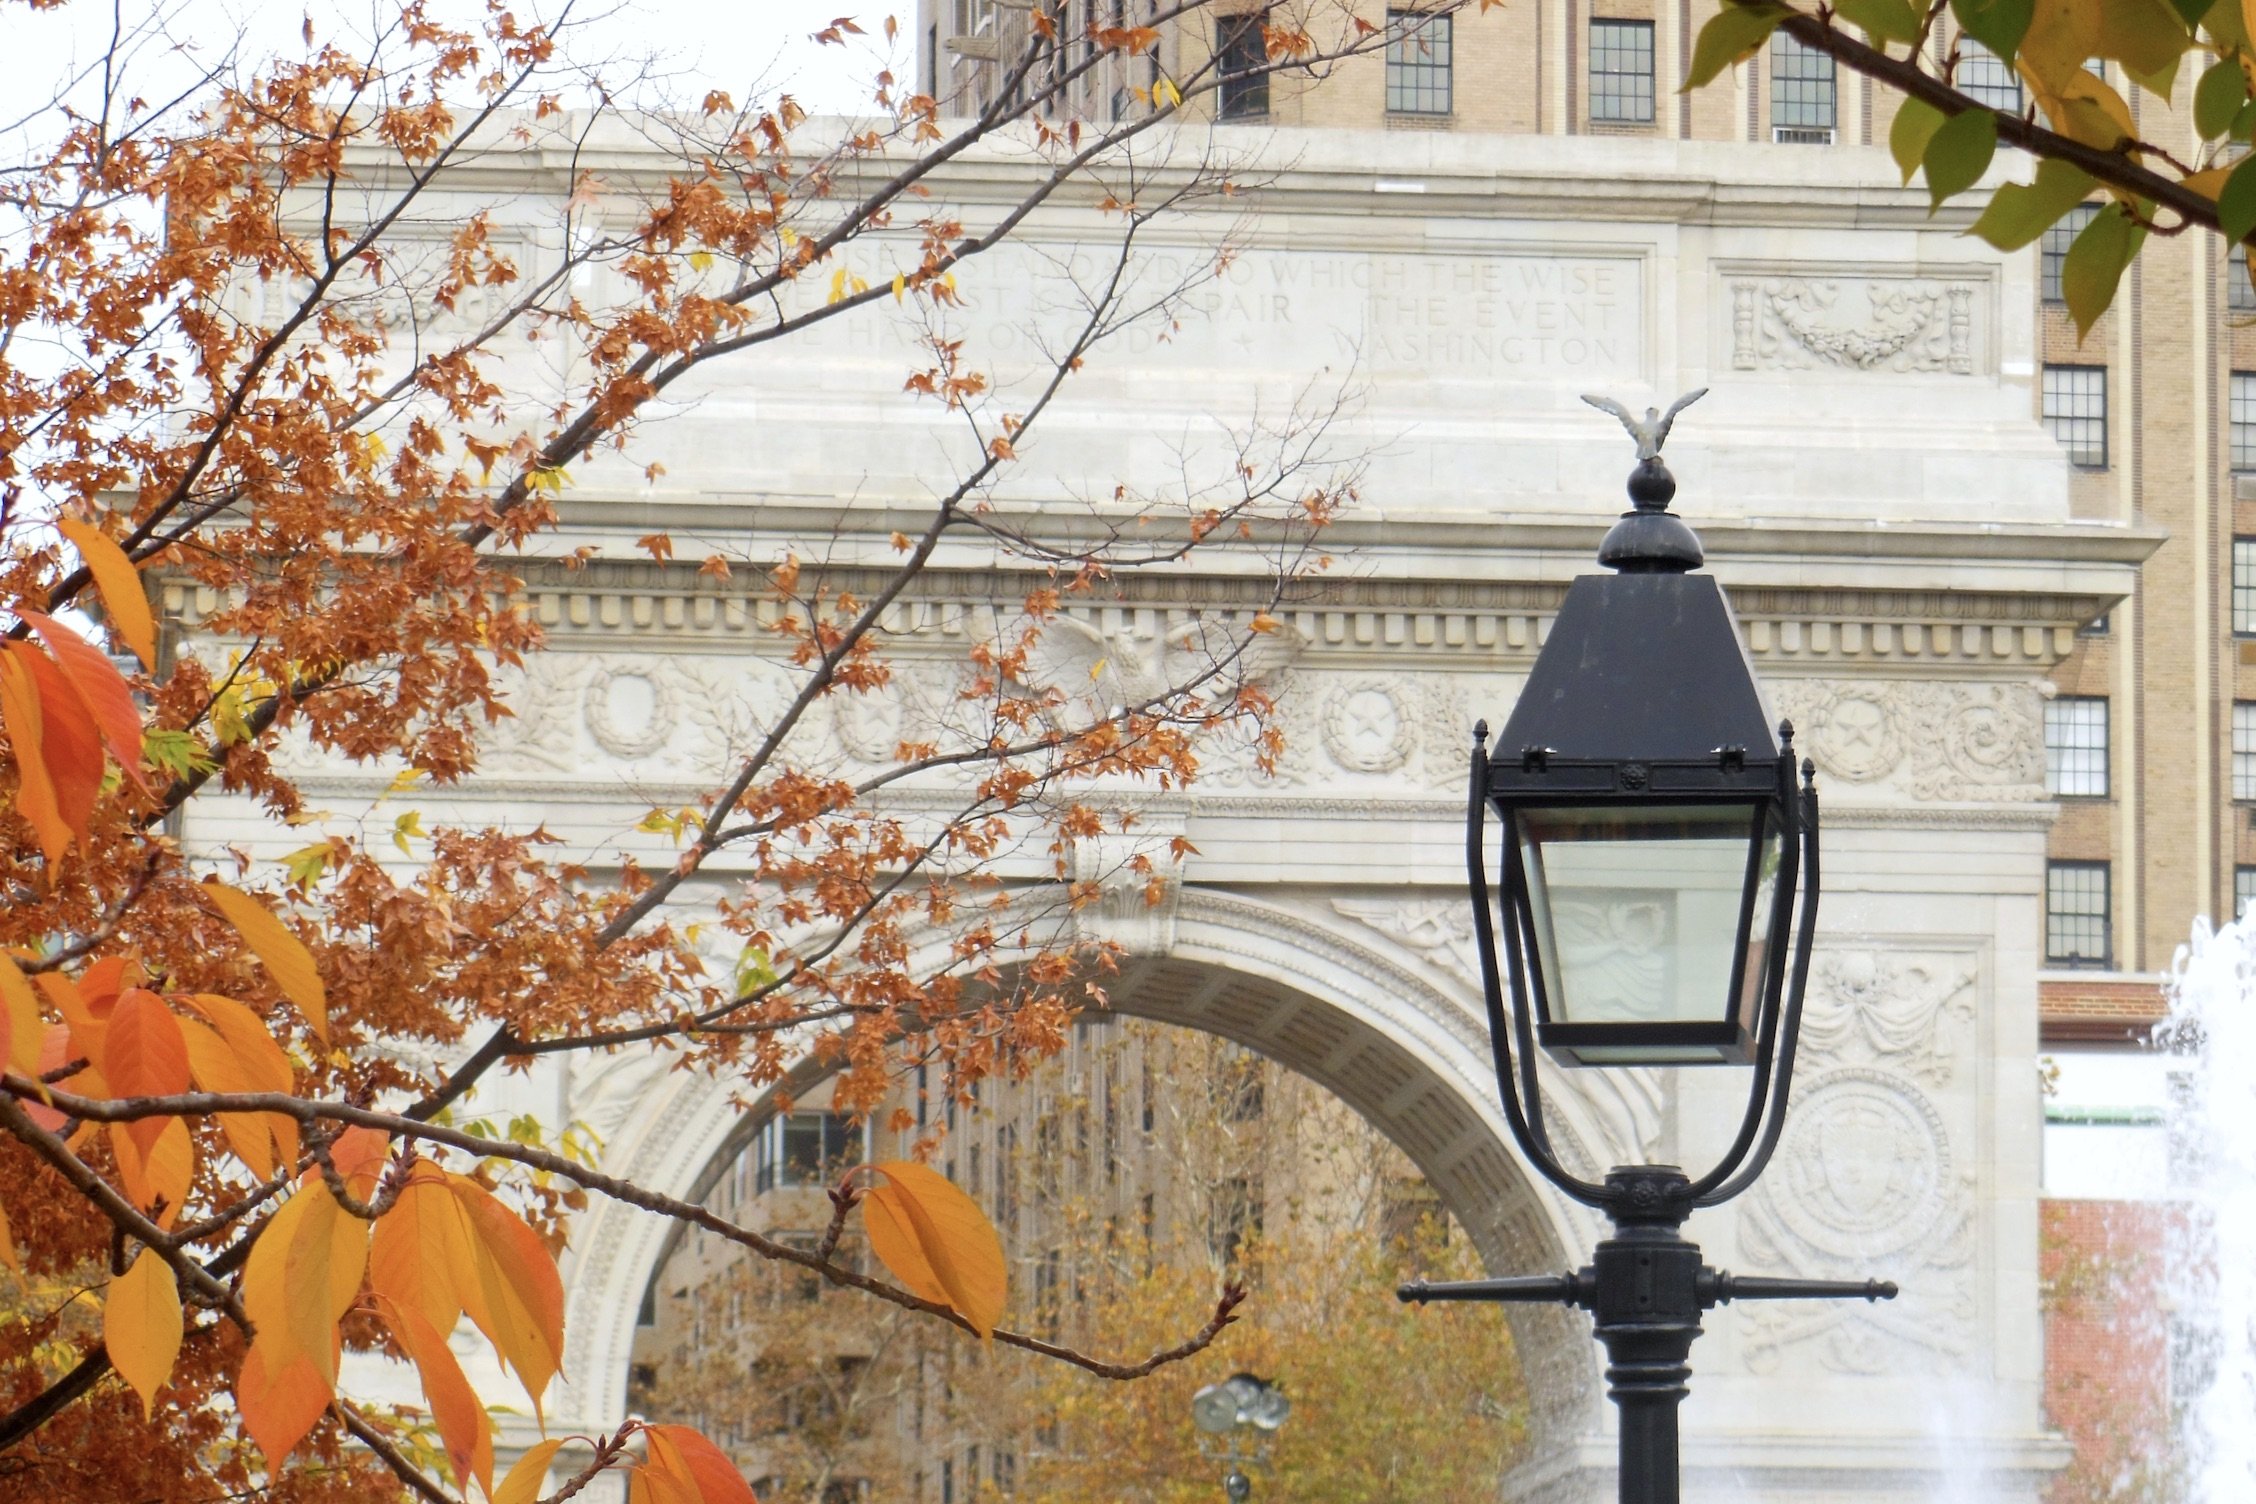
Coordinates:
1638 781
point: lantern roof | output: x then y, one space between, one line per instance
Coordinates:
1643 667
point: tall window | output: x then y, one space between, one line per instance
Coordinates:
1241 61
1417 63
2244 749
2240 293
1983 76
2058 236
1802 92
2244 889
2076 913
2244 587
1621 71
2241 412
2076 746
2075 412
804 1148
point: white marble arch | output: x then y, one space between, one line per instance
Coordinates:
1410 1056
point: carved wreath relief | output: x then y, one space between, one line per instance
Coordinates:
1852 323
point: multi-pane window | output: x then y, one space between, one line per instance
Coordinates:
2244 587
1417 63
2240 410
1621 72
2244 749
1241 63
2075 412
2076 746
1983 76
804 1148
2244 889
2058 237
1803 96
2240 292
2076 913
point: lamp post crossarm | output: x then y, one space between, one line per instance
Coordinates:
1537 1289
1719 1289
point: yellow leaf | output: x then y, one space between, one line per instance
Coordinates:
141 1326
123 600
512 1291
403 781
900 285
301 1278
464 1429
523 1485
284 955
1165 93
838 285
157 1180
701 260
406 828
937 1242
421 1250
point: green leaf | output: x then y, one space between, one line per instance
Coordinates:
1882 20
1959 153
1997 24
175 752
2020 212
1732 35
2095 263
2218 97
2226 26
2243 122
2191 11
1916 124
2148 37
2236 206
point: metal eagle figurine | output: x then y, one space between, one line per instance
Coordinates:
1652 431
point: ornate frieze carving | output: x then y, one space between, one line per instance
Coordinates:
1932 741
1853 322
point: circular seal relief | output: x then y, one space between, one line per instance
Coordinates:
1864 1166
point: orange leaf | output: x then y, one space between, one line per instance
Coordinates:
665 1478
284 955
54 1053
279 1398
937 1242
70 739
422 1250
358 1155
157 1181
123 599
100 688
514 1295
88 1029
236 1054
8 1245
141 1326
464 1429
36 799
523 1485
144 1054
715 1477
19 1006
302 1276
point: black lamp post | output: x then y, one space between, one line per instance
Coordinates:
1658 863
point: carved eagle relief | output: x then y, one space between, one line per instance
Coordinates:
1090 675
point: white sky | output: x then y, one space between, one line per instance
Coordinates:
703 44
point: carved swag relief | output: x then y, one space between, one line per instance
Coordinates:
1852 323
1941 742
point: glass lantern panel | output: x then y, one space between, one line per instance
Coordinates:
1638 912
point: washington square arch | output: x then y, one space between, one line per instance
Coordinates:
1893 528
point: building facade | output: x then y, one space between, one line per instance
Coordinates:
1897 530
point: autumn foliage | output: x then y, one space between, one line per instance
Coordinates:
238 1135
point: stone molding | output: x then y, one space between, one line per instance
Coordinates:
1858 318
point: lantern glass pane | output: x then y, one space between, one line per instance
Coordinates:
1639 913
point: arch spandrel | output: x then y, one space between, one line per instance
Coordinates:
1406 1053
